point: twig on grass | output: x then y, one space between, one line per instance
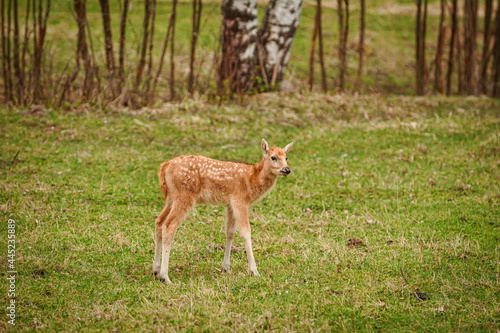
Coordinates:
15 157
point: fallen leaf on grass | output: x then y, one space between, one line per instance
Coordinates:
421 296
219 247
236 249
355 242
213 246
39 273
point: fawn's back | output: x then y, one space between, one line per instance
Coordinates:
211 181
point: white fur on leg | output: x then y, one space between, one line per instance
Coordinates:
227 254
230 233
157 260
163 276
251 260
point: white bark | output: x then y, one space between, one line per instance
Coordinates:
276 36
239 37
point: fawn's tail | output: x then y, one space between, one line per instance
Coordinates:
163 182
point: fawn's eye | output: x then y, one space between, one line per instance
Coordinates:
274 158
286 158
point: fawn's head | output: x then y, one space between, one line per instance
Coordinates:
276 158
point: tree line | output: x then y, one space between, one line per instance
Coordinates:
251 58
477 72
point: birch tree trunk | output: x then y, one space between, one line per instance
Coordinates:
239 41
276 36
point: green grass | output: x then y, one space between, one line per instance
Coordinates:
84 193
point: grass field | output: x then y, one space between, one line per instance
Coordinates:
416 180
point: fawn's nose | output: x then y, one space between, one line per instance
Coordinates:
286 171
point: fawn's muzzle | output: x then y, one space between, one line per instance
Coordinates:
286 171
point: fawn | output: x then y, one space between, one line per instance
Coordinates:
187 180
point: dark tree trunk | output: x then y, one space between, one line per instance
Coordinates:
108 39
449 74
238 40
172 49
9 81
343 24
82 48
275 37
317 33
17 63
95 67
485 58
164 50
197 7
151 42
144 47
123 27
421 67
470 30
40 28
460 67
496 56
361 47
321 53
23 55
5 56
313 46
438 74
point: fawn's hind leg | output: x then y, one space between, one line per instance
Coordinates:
230 232
180 207
158 229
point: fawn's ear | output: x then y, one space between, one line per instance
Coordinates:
265 147
288 147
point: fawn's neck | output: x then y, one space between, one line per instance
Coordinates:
261 180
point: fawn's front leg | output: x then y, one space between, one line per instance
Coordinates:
230 232
241 215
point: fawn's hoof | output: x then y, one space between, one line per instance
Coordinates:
225 268
165 280
254 273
